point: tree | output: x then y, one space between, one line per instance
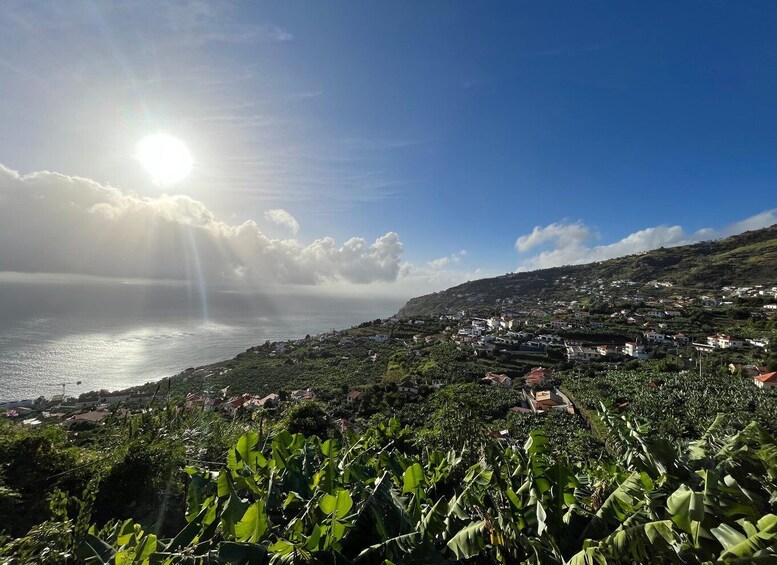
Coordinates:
308 418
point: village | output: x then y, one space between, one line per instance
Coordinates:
522 347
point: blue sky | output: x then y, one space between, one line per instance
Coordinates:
459 126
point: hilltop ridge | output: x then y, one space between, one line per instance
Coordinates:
749 258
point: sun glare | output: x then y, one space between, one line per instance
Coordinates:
166 158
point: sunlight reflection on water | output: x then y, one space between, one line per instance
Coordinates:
105 348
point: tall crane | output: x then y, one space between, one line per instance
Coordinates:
63 385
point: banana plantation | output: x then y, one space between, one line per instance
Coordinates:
380 497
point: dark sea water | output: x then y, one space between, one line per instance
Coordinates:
112 336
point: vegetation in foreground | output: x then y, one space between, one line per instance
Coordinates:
381 497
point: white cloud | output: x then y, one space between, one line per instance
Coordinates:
561 234
282 218
448 260
762 220
571 242
61 224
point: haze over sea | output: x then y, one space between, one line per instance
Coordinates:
113 336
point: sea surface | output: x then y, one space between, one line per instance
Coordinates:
113 336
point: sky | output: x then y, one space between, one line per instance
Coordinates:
379 147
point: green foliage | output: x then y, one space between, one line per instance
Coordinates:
290 498
567 435
34 463
680 405
307 418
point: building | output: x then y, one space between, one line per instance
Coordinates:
353 396
545 400
499 380
94 416
766 381
635 350
26 403
268 401
607 350
234 404
537 376
580 353
654 337
681 339
303 394
105 397
721 341
749 371
408 387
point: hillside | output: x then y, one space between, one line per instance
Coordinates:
746 259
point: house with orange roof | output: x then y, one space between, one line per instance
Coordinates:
537 376
766 380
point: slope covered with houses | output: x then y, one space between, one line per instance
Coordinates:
710 271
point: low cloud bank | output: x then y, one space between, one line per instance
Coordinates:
61 224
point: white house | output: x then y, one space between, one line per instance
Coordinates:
728 342
635 350
580 353
654 337
762 342
720 341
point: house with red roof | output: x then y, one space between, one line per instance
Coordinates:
537 376
766 380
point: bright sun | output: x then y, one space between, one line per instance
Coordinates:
165 157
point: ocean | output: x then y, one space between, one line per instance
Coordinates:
113 336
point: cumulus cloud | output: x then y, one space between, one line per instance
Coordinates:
448 260
282 218
570 243
61 224
562 234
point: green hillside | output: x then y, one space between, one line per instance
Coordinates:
746 259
